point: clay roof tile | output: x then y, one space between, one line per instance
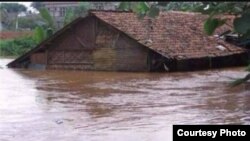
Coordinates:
171 33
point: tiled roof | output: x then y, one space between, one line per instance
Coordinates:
177 35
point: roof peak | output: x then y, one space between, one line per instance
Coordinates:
116 11
130 11
182 12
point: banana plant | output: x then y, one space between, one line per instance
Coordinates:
142 9
80 11
46 28
39 34
44 13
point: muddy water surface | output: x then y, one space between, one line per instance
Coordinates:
99 106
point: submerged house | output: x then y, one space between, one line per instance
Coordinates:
119 41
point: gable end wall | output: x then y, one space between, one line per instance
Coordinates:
94 45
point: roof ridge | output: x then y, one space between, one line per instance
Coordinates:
182 12
130 11
117 11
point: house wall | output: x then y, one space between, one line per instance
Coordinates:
193 64
94 45
213 62
35 60
231 60
116 51
73 49
38 58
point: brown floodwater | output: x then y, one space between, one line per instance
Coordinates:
115 106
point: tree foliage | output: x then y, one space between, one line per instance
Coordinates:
211 24
46 28
142 9
3 15
241 24
9 13
13 7
69 16
16 47
25 22
240 9
39 34
44 13
181 6
80 11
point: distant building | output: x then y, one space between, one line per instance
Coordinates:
58 9
104 5
1 27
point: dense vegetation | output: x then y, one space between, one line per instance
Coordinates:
9 14
41 32
43 26
16 47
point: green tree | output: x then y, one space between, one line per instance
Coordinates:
46 28
39 34
181 6
69 16
12 9
80 11
28 22
142 9
4 16
48 19
17 46
241 24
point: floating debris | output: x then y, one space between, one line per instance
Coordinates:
59 121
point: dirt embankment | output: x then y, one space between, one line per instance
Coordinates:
13 34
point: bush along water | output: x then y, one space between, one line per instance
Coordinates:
16 47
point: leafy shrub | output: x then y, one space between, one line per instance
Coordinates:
16 47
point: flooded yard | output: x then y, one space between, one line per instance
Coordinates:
115 106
